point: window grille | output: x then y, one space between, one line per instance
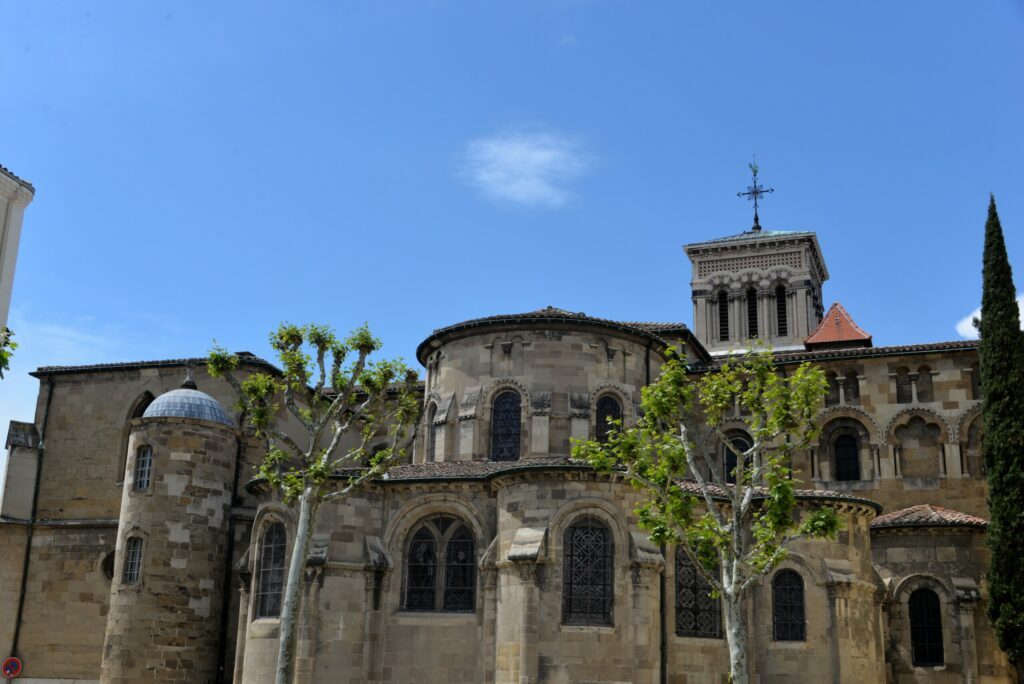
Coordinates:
847 453
723 317
143 468
780 311
752 312
132 569
926 628
788 607
697 613
608 408
505 426
588 574
440 567
270 572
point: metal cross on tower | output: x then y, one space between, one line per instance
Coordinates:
754 192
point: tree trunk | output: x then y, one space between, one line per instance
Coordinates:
736 637
288 631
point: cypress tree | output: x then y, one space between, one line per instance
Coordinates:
1002 377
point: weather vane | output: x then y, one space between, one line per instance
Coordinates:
754 192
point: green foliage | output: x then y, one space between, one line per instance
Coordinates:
7 348
1002 375
669 455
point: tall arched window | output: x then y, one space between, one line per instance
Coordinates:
440 567
723 316
143 468
904 390
781 315
847 457
587 579
131 569
852 387
505 425
788 607
608 408
697 613
926 628
431 435
740 443
270 572
751 312
924 384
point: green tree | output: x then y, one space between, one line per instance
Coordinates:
1002 375
334 404
7 348
734 533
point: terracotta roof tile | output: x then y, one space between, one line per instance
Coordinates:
927 515
837 328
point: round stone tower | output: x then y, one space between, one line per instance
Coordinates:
166 594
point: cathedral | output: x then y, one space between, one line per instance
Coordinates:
139 546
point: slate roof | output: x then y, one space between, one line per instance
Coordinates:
927 515
753 235
838 328
783 358
244 357
188 403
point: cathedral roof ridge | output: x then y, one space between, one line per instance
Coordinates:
837 327
801 355
752 235
927 515
244 357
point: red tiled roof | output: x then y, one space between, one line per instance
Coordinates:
927 515
837 327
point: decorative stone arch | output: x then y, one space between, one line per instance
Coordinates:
963 423
814 592
424 506
135 410
622 394
838 424
901 650
904 417
497 386
905 586
593 507
490 393
865 418
971 461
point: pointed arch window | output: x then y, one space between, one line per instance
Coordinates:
788 607
440 567
431 434
781 315
698 614
270 572
505 426
847 457
608 408
131 570
926 628
143 471
587 578
723 317
751 312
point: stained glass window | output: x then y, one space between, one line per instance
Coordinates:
143 468
270 572
608 408
132 569
505 425
847 453
440 569
926 628
697 613
587 590
788 607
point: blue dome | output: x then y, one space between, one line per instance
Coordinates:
188 403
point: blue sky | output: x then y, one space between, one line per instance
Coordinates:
207 170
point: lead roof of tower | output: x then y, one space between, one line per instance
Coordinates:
188 403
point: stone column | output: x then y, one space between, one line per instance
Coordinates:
309 623
968 646
489 580
528 627
243 624
646 658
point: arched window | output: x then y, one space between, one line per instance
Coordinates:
926 628
788 607
852 388
431 435
751 312
143 468
697 613
440 567
781 316
976 392
740 443
587 580
832 398
904 390
723 316
270 572
847 453
608 408
924 384
131 569
505 420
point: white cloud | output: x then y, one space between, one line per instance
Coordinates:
965 326
524 167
